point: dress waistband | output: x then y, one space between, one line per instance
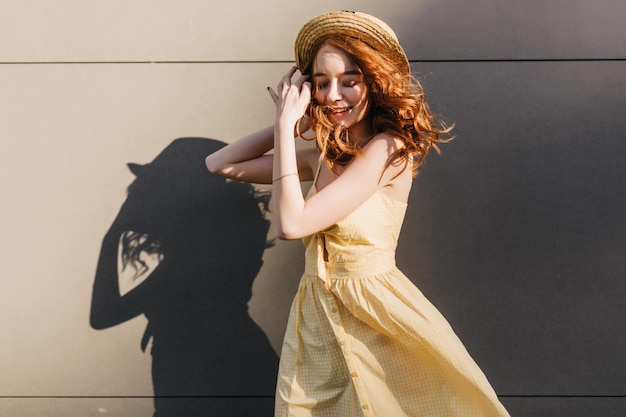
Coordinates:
366 265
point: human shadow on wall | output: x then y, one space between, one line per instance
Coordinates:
184 251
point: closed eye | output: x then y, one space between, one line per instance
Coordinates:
348 84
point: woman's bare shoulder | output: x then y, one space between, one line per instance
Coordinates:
392 142
384 145
396 175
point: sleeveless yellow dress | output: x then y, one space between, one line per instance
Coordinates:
362 340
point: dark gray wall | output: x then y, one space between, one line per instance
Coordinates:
517 232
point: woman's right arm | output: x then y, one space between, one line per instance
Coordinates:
245 159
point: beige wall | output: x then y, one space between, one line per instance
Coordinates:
89 86
81 99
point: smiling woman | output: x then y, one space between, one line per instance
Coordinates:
361 339
339 88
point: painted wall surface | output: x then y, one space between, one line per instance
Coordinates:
516 232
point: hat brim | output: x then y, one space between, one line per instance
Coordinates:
369 29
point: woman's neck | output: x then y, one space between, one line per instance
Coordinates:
360 134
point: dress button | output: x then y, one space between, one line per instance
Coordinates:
340 342
354 374
365 406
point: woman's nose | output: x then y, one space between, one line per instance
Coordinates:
334 93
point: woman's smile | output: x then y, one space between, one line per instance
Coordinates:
338 112
340 88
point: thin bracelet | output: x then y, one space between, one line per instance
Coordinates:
283 176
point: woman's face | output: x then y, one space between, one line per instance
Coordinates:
340 88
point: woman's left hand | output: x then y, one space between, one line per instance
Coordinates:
291 98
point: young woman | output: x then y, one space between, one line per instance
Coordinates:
361 340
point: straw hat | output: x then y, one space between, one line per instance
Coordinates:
369 29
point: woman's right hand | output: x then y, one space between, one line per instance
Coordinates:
291 98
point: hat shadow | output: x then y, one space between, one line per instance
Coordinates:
195 242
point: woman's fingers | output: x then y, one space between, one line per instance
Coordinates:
305 88
292 97
290 73
301 80
273 94
285 82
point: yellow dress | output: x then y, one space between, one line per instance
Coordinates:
362 340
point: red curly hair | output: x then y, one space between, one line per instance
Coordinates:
398 107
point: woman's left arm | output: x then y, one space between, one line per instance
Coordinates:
367 174
370 171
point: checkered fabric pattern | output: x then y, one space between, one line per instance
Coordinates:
362 340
